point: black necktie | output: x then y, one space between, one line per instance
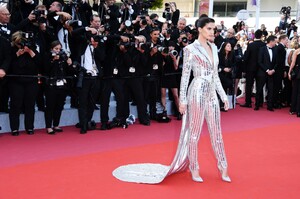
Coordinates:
269 48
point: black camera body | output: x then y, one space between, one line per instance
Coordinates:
39 13
184 40
28 40
99 38
63 57
286 10
74 23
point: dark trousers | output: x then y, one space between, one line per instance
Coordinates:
117 87
86 98
135 85
260 82
55 100
151 88
22 94
287 91
278 78
250 76
4 95
295 105
40 100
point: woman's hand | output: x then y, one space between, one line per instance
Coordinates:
226 105
20 52
182 108
29 51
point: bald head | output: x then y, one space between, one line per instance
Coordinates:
4 15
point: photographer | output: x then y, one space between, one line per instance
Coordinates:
21 9
57 65
108 13
56 15
43 36
141 27
153 70
79 10
132 59
90 54
181 27
127 11
171 13
285 15
23 90
166 32
292 28
112 83
169 80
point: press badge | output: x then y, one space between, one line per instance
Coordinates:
115 71
132 70
60 83
155 66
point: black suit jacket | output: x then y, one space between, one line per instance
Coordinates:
264 61
280 57
251 55
5 57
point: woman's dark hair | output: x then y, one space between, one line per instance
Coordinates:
222 51
54 43
201 22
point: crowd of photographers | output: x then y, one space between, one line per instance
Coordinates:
55 49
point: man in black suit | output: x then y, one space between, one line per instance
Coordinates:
90 55
4 64
6 30
280 73
251 58
266 71
109 14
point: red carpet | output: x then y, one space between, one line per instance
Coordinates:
262 147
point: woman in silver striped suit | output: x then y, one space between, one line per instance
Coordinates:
198 102
201 101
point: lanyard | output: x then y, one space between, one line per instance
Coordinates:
92 53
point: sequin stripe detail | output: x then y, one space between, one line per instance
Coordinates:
214 126
196 111
186 71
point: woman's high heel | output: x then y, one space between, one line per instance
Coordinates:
224 174
196 178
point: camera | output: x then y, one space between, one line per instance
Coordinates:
169 31
184 40
167 7
99 38
174 53
28 40
63 57
162 49
144 5
74 23
286 10
106 27
39 13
